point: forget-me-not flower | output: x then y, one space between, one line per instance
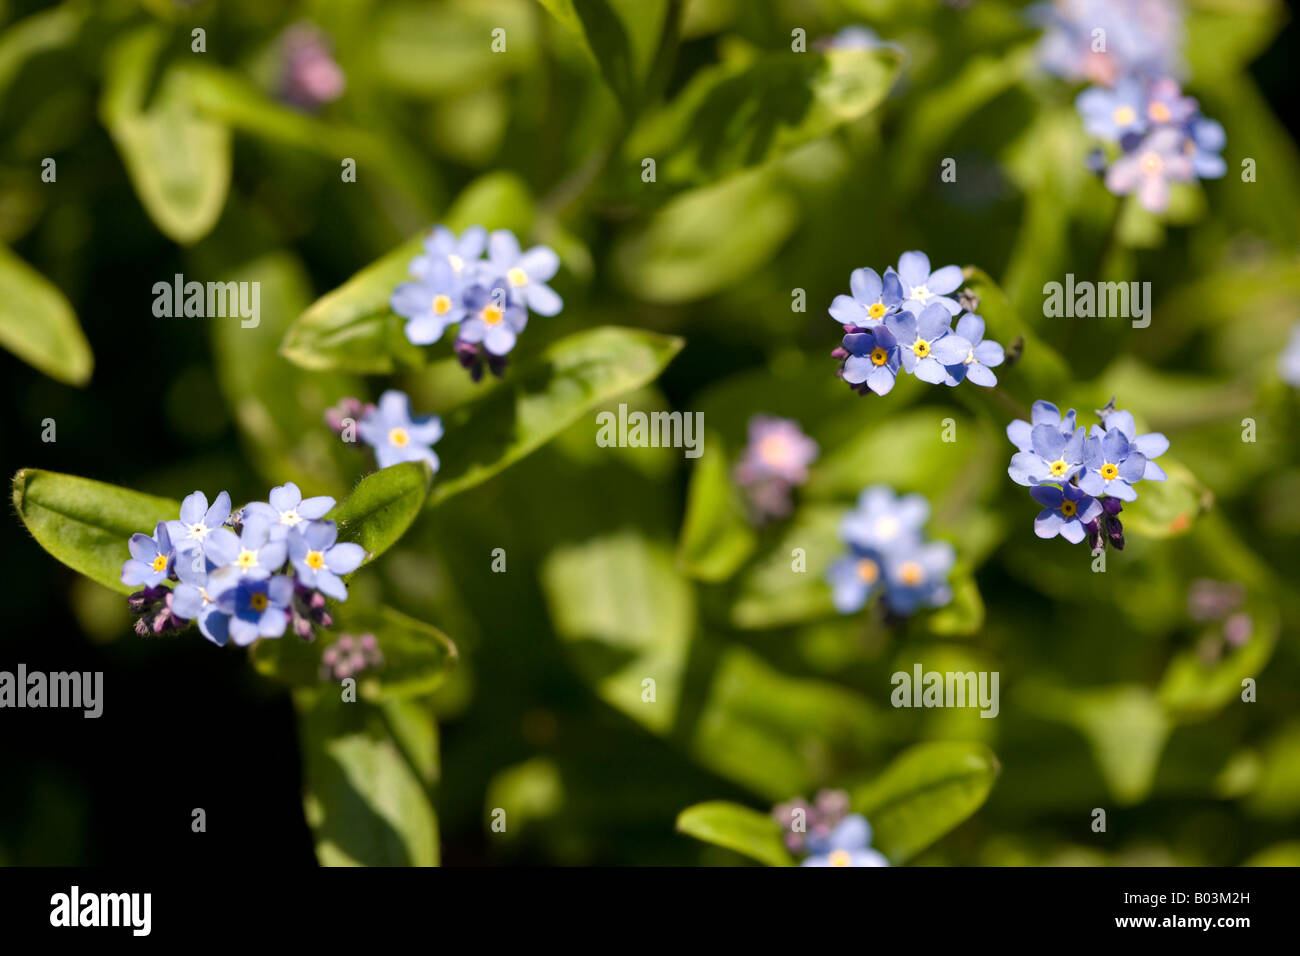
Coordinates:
1152 444
1043 413
874 359
254 554
1052 456
151 558
884 520
288 508
1156 162
494 321
200 525
922 288
848 844
525 273
873 298
257 607
855 577
927 342
319 561
1111 114
983 356
1113 466
430 304
1066 511
442 246
397 437
918 576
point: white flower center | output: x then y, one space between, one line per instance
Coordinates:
290 517
920 294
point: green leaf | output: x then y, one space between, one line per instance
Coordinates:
277 405
753 834
417 656
923 794
1125 726
627 615
706 239
37 34
569 379
1041 371
772 592
178 159
86 524
38 325
779 735
352 328
755 109
622 37
364 802
382 506
716 538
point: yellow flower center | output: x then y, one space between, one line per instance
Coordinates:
920 348
876 310
868 570
1124 116
879 356
841 858
492 314
1159 112
315 559
1068 508
1151 163
1109 471
399 437
247 559
160 562
1058 468
258 601
911 573
441 304
517 277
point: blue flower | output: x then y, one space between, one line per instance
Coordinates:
319 561
1066 511
1052 456
1043 413
1205 142
873 298
257 607
525 273
982 357
1151 445
1111 114
288 509
397 437
431 304
874 359
927 342
884 521
193 598
855 578
442 247
848 844
1113 466
917 576
151 558
922 288
494 321
200 525
254 554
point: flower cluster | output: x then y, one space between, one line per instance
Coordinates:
349 656
903 320
888 554
826 833
773 464
1129 50
240 576
388 428
488 297
1083 477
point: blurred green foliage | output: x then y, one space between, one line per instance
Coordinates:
702 289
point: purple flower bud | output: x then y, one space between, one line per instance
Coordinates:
1237 629
1111 505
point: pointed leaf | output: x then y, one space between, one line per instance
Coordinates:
38 325
382 506
754 834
